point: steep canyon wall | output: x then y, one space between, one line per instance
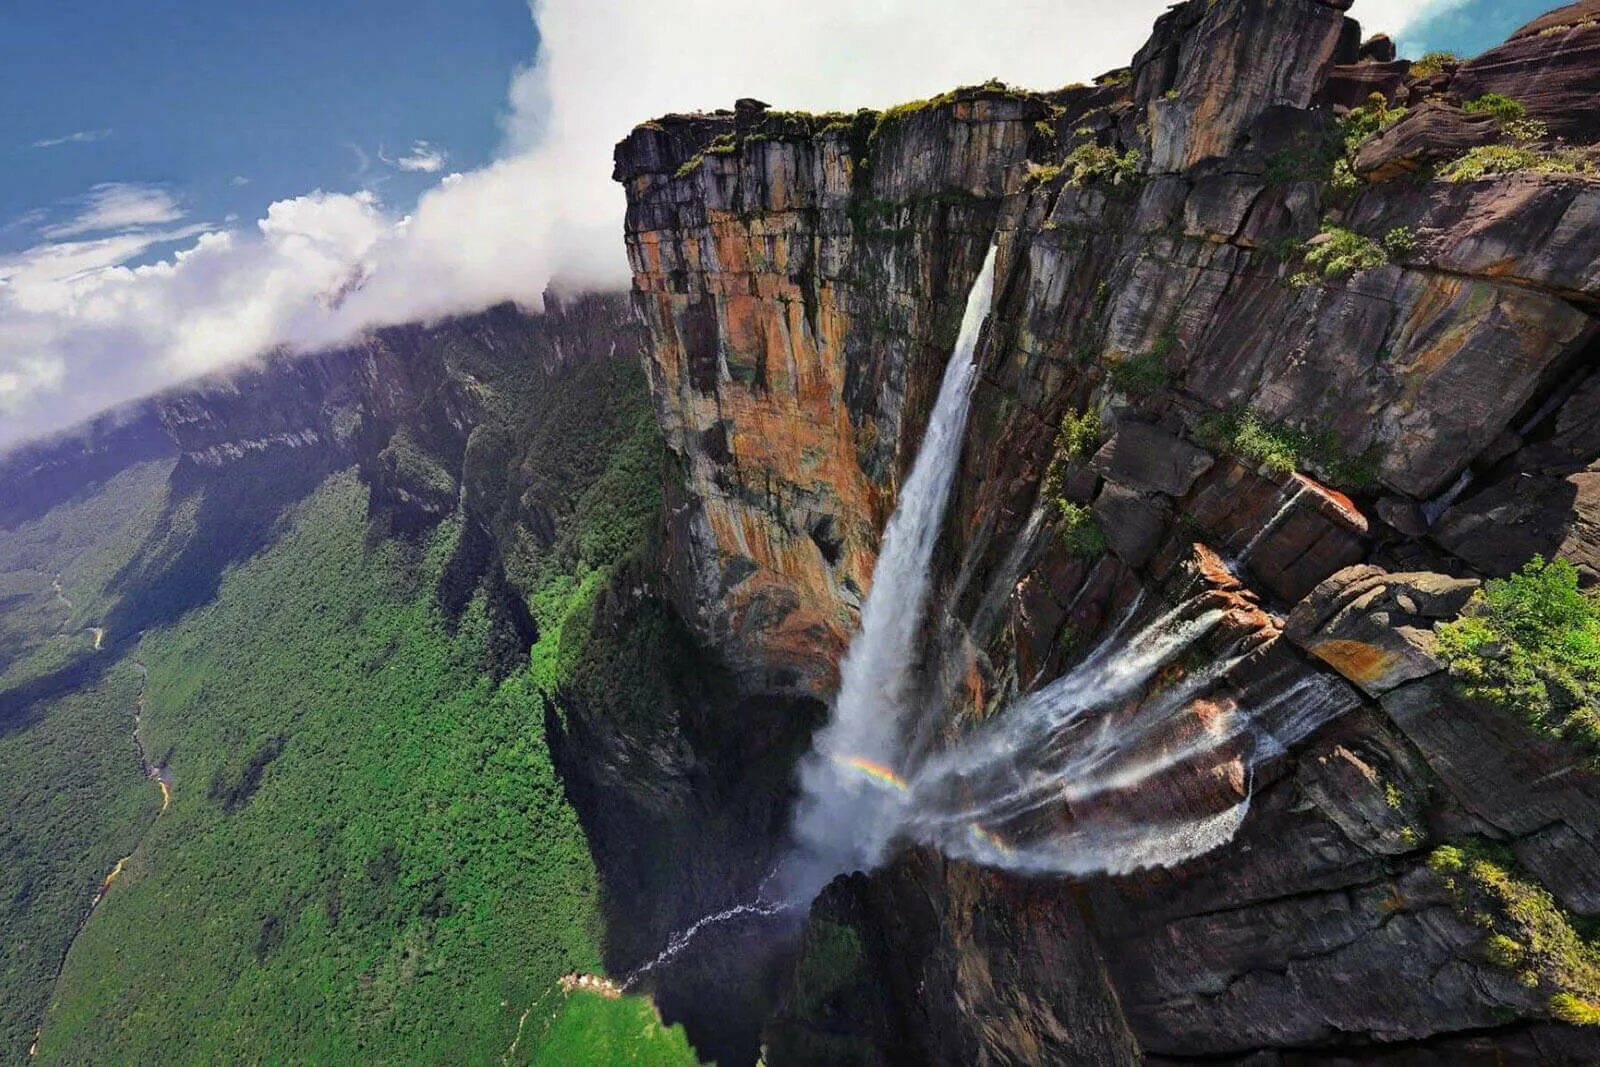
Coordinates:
1228 236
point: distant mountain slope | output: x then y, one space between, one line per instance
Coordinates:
325 610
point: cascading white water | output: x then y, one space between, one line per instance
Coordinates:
1106 727
1279 517
845 820
756 909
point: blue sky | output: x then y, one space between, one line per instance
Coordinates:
1473 26
187 183
228 106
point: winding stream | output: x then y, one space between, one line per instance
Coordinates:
156 773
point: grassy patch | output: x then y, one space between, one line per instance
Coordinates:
1531 643
1285 450
1145 372
1486 161
1501 107
589 1030
1248 435
1527 932
1078 531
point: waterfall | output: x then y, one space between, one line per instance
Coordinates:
756 909
1040 787
1279 517
846 819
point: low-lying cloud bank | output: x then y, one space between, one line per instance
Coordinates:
82 330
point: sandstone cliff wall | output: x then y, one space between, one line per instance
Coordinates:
1165 237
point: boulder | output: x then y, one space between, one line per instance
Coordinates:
1146 457
1379 48
1376 628
1351 85
1134 522
1431 132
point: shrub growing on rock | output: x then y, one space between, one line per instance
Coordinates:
1079 532
1531 643
1434 63
1501 107
1338 253
1527 932
1399 242
1088 162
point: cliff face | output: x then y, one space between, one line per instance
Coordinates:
1200 249
35 477
404 401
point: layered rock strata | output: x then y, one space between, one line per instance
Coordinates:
1204 280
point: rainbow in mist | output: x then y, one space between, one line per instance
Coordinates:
876 771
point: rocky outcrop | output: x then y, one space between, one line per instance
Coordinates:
1432 132
1209 71
1376 628
801 278
1551 66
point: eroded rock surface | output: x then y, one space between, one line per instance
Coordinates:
801 279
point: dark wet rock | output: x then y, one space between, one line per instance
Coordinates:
1524 514
1290 536
1519 784
1145 457
1134 523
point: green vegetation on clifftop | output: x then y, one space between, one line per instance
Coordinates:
1530 643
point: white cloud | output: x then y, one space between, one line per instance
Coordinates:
78 137
118 206
80 330
423 158
1398 17
238 181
